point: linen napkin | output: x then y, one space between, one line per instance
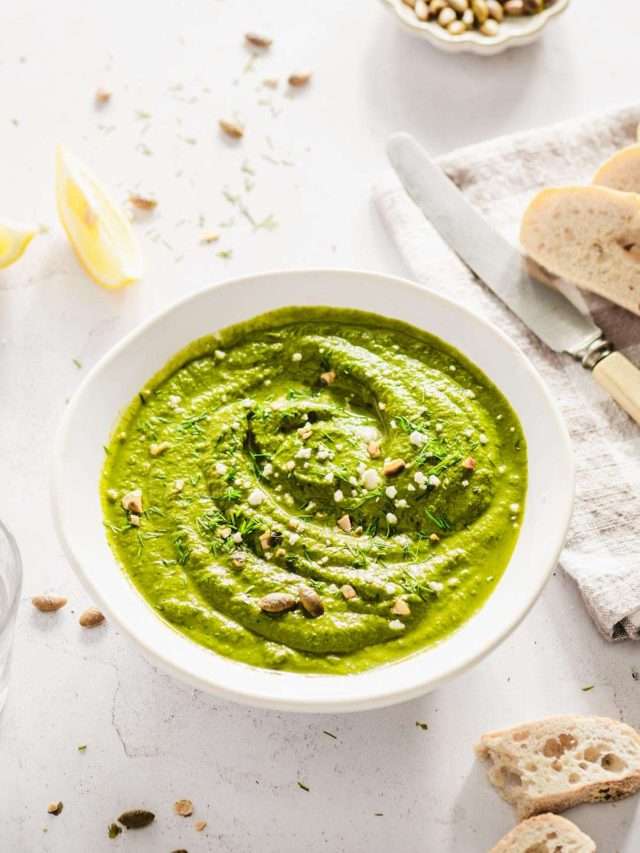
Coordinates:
602 553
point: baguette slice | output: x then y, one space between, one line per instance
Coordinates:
546 833
621 171
559 762
589 236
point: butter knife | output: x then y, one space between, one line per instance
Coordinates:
545 310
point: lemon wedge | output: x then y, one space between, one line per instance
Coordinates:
98 230
14 239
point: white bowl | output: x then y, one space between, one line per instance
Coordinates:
514 32
116 379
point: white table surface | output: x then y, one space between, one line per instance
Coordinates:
150 740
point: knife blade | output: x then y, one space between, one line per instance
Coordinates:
499 264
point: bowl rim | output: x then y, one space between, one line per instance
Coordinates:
472 41
258 698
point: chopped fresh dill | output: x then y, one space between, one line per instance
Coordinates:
440 521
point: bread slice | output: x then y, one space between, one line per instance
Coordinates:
621 171
559 762
589 236
546 833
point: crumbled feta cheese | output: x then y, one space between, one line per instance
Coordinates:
452 368
420 479
471 394
338 496
502 469
290 465
396 625
453 582
220 354
392 423
411 487
436 586
297 356
465 483
369 433
353 481
468 432
304 453
370 479
174 401
434 481
482 438
323 454
248 402
401 503
391 491
220 468
255 497
439 427
391 518
225 532
381 406
237 537
328 477
514 507
293 538
267 470
417 438
178 485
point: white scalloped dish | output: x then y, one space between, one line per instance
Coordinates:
514 32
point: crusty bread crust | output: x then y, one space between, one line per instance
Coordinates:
589 236
559 832
521 765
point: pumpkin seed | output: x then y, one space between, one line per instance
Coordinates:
446 16
421 10
91 618
495 9
410 3
311 601
394 467
136 818
48 603
436 6
533 7
277 602
231 128
468 19
456 28
480 10
490 28
459 6
258 40
113 830
514 7
299 79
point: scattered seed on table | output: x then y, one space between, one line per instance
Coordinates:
48 603
91 618
257 40
136 818
183 807
300 78
55 807
231 128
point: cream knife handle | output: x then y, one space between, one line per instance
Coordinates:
621 379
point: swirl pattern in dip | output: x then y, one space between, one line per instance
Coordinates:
317 490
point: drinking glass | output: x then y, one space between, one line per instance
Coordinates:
10 585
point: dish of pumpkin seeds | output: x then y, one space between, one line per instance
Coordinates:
483 16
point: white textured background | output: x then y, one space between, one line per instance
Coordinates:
174 69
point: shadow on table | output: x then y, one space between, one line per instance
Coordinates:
446 100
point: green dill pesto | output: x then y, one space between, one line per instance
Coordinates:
330 449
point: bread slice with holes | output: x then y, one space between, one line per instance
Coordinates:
547 833
621 171
559 762
589 236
